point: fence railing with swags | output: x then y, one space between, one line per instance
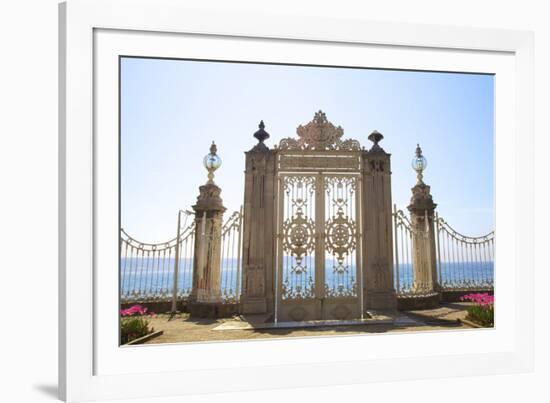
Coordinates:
463 262
164 271
149 272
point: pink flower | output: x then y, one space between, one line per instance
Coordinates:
135 310
481 299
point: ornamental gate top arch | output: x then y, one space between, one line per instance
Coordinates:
317 226
319 134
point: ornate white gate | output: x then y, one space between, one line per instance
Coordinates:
317 226
318 262
319 265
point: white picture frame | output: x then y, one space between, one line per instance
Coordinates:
90 364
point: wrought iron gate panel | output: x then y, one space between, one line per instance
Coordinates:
318 245
340 249
298 237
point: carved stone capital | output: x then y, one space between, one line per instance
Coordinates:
421 200
209 199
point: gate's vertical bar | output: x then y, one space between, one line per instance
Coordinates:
406 245
404 235
224 246
176 268
396 247
239 243
320 242
436 236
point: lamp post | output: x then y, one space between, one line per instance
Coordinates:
422 209
419 163
205 293
211 162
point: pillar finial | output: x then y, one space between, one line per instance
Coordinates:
376 137
261 135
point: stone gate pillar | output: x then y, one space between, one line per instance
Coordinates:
205 293
422 209
258 227
379 292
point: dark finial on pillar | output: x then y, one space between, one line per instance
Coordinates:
376 137
261 135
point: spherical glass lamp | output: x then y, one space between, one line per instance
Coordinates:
212 162
419 163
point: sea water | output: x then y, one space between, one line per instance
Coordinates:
151 276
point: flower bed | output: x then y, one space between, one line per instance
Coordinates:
134 323
482 312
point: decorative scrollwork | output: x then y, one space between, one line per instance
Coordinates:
299 182
342 289
298 291
348 145
340 229
339 182
299 238
289 143
340 237
319 134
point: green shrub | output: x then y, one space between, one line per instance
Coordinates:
483 310
482 315
133 327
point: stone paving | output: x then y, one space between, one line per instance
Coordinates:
182 328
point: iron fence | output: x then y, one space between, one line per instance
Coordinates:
230 273
164 271
403 255
462 262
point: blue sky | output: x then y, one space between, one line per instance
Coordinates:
171 110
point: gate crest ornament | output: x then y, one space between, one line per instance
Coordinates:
319 134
